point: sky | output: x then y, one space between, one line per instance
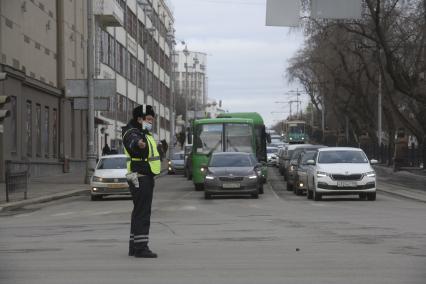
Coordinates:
247 61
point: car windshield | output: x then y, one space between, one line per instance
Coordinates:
112 163
340 157
272 150
307 156
178 156
231 161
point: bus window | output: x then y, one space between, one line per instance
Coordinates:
209 138
238 138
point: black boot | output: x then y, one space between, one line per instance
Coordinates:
144 253
131 248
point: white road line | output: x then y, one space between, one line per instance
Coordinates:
62 214
273 191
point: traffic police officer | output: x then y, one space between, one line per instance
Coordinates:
143 164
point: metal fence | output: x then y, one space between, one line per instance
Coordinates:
411 157
16 179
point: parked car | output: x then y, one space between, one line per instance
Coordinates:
301 181
109 177
177 163
291 170
231 173
285 157
271 153
280 159
341 171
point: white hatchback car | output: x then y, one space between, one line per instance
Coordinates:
341 171
109 177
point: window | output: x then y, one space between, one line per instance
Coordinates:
120 59
29 129
111 57
55 133
238 138
208 138
46 132
13 119
133 62
38 130
140 75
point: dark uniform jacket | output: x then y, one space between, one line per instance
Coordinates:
131 134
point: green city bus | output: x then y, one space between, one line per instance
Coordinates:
260 135
219 135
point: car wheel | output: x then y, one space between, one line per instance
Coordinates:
371 196
184 173
199 187
316 196
207 196
289 186
261 189
255 195
95 197
309 194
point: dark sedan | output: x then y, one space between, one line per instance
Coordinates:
232 173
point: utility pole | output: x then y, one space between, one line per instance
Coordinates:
186 53
196 87
91 158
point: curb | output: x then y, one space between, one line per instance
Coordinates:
402 192
52 197
43 199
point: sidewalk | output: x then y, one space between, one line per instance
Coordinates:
408 182
49 188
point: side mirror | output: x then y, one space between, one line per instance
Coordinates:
374 161
310 162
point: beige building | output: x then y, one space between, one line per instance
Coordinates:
42 43
137 54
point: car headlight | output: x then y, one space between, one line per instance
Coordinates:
322 174
209 177
170 162
252 177
96 179
370 174
291 138
259 172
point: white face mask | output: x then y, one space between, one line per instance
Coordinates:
147 126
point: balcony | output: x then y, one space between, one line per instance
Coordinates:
109 13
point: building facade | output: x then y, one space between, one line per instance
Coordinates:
191 81
42 43
138 56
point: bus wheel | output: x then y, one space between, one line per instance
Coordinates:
199 187
261 189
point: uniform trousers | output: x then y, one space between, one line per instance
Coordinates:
141 214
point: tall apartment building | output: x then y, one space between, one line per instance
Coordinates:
42 42
138 55
190 77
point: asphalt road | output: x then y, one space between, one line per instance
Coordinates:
278 238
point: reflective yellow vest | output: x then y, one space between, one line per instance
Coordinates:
153 158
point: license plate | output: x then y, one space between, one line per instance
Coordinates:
346 184
231 185
117 186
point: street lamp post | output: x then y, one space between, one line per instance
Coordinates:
186 53
195 87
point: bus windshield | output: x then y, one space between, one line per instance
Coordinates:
209 138
296 128
238 138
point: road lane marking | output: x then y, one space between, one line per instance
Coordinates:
62 214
